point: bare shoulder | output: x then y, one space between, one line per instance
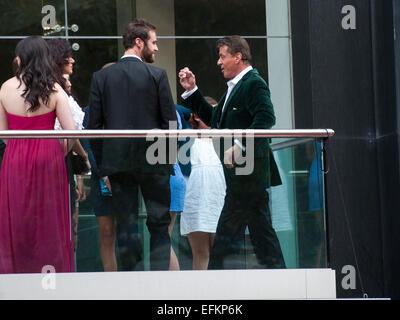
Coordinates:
59 92
59 95
8 87
11 83
58 88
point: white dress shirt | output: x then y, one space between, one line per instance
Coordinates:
233 82
131 56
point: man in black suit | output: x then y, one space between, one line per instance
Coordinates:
245 105
131 94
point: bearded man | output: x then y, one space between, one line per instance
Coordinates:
131 94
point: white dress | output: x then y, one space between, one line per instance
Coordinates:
205 189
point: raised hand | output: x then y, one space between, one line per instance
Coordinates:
187 79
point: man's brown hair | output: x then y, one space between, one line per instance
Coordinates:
138 28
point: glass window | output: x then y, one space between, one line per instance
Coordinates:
25 17
7 57
209 17
91 56
94 18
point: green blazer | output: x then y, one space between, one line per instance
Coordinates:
249 106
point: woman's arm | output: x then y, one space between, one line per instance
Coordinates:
64 115
77 148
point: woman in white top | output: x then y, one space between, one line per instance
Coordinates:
62 56
76 110
204 199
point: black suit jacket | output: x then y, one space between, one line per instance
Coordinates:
129 95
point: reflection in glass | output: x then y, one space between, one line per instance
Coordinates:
303 233
300 228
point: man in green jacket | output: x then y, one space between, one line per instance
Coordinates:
245 105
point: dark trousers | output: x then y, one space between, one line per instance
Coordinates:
246 204
155 189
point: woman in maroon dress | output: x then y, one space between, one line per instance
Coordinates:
34 221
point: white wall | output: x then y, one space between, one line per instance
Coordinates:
279 61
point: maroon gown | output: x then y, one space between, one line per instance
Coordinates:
35 226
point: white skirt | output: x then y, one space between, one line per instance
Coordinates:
205 190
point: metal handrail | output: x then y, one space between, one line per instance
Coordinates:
258 133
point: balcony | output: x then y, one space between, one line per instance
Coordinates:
298 216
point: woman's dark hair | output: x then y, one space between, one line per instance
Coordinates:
236 44
36 70
138 28
61 51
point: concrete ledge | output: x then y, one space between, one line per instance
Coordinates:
173 285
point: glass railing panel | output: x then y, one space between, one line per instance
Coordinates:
311 219
297 213
297 205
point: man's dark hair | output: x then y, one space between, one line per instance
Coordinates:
236 44
138 28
